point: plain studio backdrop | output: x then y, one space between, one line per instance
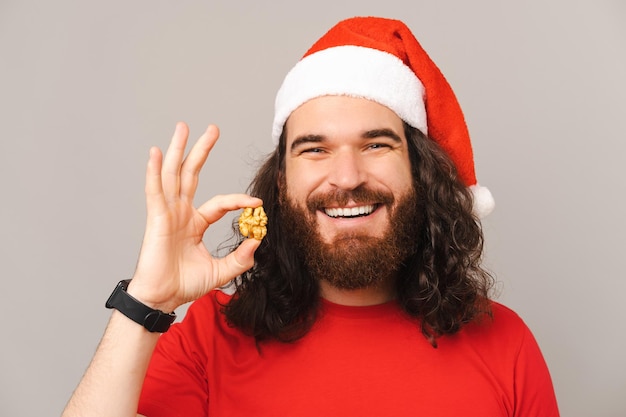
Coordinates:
87 87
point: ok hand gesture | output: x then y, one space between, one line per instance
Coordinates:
174 266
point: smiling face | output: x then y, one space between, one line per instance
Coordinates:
347 195
346 164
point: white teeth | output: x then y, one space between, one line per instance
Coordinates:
349 212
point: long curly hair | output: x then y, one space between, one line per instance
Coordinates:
443 285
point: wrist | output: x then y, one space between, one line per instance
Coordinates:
151 296
154 320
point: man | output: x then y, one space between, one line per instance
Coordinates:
366 297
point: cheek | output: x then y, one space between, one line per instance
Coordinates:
301 181
392 181
294 187
400 176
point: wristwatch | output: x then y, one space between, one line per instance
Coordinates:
155 321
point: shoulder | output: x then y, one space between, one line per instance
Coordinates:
203 327
497 341
513 340
203 317
505 316
502 319
179 367
502 330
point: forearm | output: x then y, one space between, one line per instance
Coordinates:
112 383
174 268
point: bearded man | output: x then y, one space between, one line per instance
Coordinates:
366 296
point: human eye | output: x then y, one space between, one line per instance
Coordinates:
381 139
313 153
308 145
315 150
378 145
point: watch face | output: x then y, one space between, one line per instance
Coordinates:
111 302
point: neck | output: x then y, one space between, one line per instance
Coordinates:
360 297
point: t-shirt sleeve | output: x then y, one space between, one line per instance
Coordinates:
176 383
534 392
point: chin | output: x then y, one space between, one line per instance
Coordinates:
354 239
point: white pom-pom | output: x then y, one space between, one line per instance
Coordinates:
483 201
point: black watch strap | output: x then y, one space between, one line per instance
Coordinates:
154 320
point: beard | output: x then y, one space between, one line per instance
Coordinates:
353 260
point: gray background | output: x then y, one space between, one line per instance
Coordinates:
87 87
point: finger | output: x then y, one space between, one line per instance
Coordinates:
173 159
218 206
154 189
238 261
195 160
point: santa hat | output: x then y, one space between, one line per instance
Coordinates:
380 60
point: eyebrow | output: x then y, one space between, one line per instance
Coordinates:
376 133
303 139
369 134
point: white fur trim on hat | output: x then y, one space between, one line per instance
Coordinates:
483 201
353 71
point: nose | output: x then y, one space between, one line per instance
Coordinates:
347 170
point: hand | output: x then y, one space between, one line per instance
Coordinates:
174 266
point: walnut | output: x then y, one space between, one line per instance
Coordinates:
252 222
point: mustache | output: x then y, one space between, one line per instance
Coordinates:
358 195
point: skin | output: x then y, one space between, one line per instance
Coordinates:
174 267
341 143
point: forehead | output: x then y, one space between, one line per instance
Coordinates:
336 116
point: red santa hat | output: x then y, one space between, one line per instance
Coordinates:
380 60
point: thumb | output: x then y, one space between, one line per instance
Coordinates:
238 261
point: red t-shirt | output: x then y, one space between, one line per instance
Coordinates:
356 361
